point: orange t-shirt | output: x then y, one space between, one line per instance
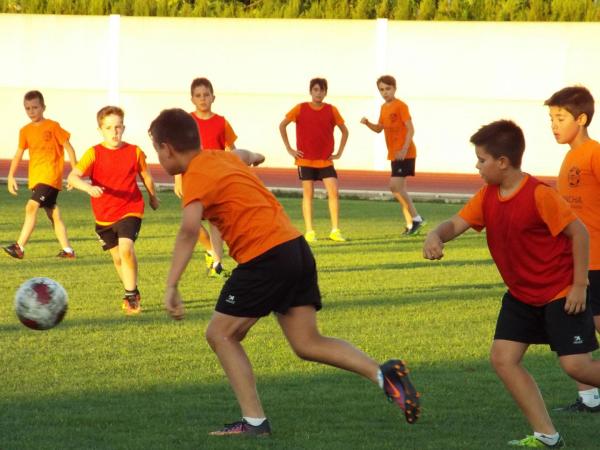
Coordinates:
293 115
249 217
579 184
552 209
45 141
393 118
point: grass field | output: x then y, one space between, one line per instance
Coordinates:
101 380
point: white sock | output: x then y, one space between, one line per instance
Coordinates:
68 249
548 439
255 421
591 397
215 264
417 218
380 378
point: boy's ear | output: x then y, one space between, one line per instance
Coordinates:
504 162
581 119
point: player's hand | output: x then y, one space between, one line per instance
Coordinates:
399 156
154 202
295 153
173 303
334 157
433 247
364 121
69 186
95 191
257 159
576 299
12 185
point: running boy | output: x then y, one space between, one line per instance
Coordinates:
276 272
46 141
571 111
396 123
215 134
315 124
117 202
541 251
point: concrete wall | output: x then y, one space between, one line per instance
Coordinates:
454 76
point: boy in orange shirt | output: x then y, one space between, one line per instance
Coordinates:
215 134
571 111
315 124
276 271
46 141
541 251
396 123
117 202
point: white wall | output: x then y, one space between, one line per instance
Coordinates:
454 76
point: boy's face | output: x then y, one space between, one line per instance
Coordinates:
489 167
167 158
387 91
318 94
565 127
34 109
112 129
202 98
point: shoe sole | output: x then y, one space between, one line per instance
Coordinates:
411 404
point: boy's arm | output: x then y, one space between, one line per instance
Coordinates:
284 136
433 247
249 158
71 152
77 182
149 184
344 129
12 185
376 127
576 297
178 185
182 253
410 132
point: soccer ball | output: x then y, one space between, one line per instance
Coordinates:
40 303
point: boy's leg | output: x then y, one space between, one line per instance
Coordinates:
331 185
506 359
224 335
398 189
31 210
307 202
129 266
59 226
114 253
299 325
582 368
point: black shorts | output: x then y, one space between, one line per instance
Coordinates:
549 324
403 167
128 227
45 195
279 279
594 291
316 174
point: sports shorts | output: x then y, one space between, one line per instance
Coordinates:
403 167
316 174
594 291
567 334
45 195
128 227
281 278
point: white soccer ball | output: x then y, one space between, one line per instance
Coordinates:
41 303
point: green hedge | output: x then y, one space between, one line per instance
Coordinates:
485 10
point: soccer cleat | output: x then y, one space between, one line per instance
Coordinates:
132 304
310 236
218 272
208 260
66 255
243 428
336 235
579 406
399 389
14 250
416 226
534 442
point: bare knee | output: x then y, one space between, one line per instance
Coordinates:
574 367
501 363
214 336
306 348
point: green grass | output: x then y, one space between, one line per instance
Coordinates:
104 381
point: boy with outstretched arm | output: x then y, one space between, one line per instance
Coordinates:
541 251
276 272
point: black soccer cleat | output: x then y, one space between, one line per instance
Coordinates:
399 389
243 428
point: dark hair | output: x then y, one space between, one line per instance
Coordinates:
321 82
575 99
387 79
109 111
177 128
201 82
32 95
501 138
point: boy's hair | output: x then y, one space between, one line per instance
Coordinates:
501 138
196 82
321 82
32 95
177 128
109 111
575 99
387 79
